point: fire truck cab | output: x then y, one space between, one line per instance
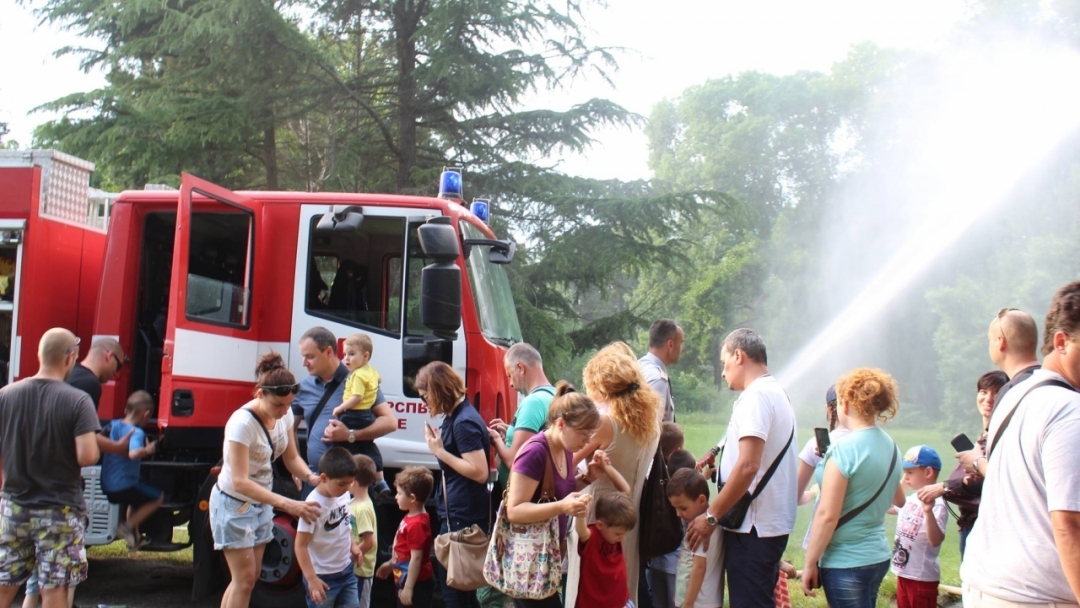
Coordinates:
197 284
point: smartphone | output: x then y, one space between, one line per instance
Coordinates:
822 437
961 443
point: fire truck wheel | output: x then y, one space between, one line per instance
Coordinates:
266 595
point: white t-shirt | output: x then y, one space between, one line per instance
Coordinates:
914 558
1011 553
243 428
810 456
331 535
711 594
763 411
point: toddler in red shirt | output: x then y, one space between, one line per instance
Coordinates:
411 563
603 582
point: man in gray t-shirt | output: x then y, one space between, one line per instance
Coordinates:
48 432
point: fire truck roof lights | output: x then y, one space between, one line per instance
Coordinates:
450 183
481 208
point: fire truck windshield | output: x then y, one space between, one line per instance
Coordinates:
491 290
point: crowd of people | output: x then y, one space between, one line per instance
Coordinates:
584 463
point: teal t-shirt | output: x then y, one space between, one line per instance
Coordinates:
531 414
863 457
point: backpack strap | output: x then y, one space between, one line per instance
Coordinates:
327 393
852 514
1009 417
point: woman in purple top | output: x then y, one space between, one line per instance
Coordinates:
572 419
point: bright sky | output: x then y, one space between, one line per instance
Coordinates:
682 43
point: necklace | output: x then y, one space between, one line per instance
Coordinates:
560 463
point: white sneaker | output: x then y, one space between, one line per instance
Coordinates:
124 532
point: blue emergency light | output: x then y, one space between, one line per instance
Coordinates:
450 183
481 209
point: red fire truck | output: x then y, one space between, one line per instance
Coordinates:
196 284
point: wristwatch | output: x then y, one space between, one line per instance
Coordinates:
352 436
711 520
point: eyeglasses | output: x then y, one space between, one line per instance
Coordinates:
281 390
74 347
119 361
1001 315
423 395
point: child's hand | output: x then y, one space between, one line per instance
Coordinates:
576 504
596 466
357 556
318 589
339 410
384 570
928 508
405 597
151 447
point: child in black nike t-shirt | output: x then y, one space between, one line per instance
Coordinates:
325 549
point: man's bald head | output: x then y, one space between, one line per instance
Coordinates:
1016 335
55 347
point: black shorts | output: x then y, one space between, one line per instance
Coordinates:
135 496
367 448
357 419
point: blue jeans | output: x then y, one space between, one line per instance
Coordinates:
363 589
455 598
752 566
342 591
853 587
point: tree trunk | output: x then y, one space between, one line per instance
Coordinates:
406 18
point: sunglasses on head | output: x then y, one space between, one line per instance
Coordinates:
281 390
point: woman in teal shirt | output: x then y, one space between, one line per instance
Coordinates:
860 474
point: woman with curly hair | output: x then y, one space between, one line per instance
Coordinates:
629 434
861 470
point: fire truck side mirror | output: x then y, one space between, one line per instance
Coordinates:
346 218
440 282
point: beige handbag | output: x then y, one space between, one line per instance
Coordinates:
462 553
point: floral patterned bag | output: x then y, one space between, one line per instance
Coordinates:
524 561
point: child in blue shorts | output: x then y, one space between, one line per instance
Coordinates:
120 479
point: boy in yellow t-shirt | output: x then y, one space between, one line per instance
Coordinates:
361 388
365 532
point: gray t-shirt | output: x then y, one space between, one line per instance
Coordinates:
1011 552
39 421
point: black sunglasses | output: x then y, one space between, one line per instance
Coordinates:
119 361
282 390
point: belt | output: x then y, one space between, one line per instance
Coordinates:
218 486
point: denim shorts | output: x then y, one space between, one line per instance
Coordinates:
238 524
46 542
135 496
342 591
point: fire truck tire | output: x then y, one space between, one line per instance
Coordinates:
266 595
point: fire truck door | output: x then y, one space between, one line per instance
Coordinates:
211 337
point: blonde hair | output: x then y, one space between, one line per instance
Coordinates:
616 380
618 347
870 393
361 342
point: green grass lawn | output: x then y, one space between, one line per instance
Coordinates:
704 430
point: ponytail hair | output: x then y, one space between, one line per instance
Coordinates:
271 371
574 408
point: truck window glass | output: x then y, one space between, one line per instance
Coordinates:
491 293
353 278
416 262
220 265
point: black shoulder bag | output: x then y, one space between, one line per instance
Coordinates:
733 519
659 531
330 388
852 514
